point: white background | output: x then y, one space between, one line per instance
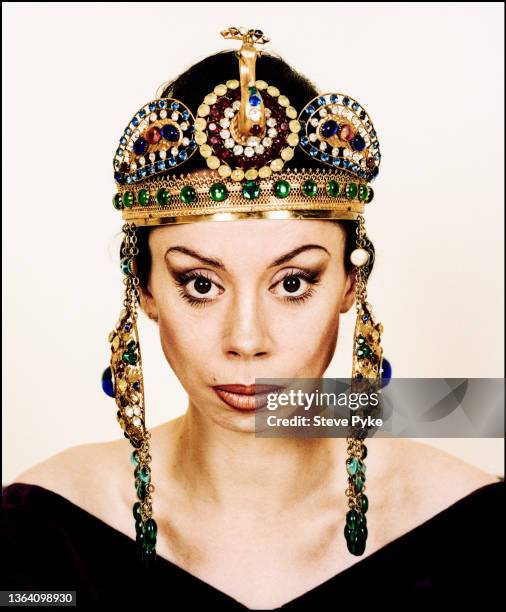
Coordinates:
429 74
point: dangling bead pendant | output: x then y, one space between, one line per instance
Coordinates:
355 530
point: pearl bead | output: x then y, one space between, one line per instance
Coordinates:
359 257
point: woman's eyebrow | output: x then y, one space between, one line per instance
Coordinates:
217 263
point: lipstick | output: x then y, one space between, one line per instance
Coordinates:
246 397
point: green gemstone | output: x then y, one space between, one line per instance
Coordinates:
364 451
138 526
351 465
150 530
353 519
252 89
136 472
145 474
360 340
309 188
131 346
125 265
333 188
351 190
251 190
116 202
141 491
362 193
187 194
362 467
162 197
128 199
130 358
134 458
370 195
356 547
359 482
281 189
218 192
137 511
364 351
364 503
143 197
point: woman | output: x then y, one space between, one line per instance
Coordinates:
242 521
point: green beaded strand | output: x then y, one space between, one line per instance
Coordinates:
355 529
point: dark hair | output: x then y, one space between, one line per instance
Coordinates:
195 83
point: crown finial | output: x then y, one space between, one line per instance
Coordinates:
250 120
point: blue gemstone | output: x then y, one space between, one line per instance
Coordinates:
334 98
304 141
310 110
192 145
162 103
128 180
386 372
255 100
136 386
346 100
123 140
182 155
355 106
135 122
152 169
355 168
329 128
140 146
185 114
119 152
346 163
365 318
170 132
191 129
160 165
322 101
325 157
128 326
358 143
152 106
362 173
313 151
172 161
374 172
119 178
142 172
128 131
336 161
142 113
362 115
107 384
174 105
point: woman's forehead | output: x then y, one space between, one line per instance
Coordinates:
269 233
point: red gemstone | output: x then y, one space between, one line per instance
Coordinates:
255 130
124 167
225 154
223 103
215 112
346 132
212 127
153 135
284 127
214 140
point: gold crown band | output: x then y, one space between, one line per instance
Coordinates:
315 194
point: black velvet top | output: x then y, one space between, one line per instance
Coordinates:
49 543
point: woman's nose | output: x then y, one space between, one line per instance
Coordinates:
247 327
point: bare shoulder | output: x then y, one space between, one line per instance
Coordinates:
425 480
90 475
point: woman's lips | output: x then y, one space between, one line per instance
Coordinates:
245 397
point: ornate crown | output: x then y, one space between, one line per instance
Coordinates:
246 130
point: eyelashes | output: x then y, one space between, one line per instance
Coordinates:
184 278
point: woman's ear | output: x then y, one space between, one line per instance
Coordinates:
349 291
148 303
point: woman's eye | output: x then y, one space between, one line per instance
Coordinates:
297 285
197 288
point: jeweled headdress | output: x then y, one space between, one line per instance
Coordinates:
247 130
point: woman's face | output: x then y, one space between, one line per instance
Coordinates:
239 300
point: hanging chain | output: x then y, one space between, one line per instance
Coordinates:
131 281
361 272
